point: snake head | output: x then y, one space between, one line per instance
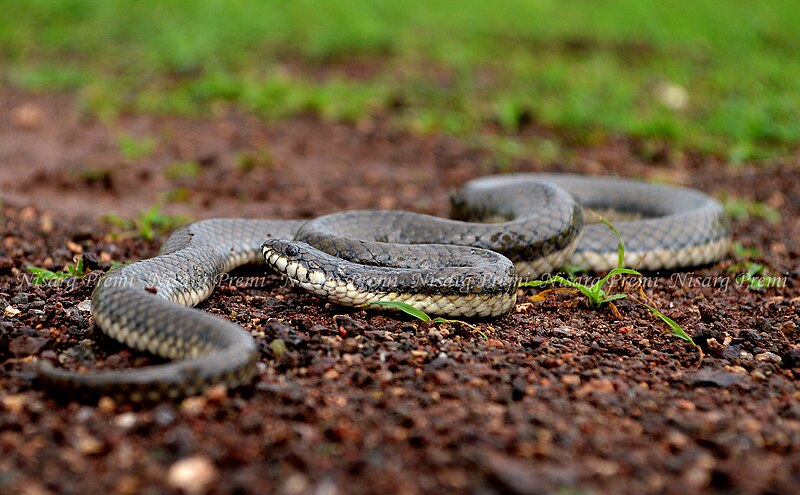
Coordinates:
296 260
277 249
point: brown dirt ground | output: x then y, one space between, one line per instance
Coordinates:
558 397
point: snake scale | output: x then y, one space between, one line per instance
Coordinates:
505 228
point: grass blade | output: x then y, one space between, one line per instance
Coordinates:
405 308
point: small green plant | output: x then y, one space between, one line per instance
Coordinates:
423 316
154 220
742 209
595 293
50 77
674 328
148 223
43 275
177 195
183 170
755 276
742 251
511 113
132 148
598 296
259 159
752 274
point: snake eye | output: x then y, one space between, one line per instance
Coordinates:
292 250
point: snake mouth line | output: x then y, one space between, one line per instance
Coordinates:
449 267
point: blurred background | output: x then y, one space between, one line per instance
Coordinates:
720 77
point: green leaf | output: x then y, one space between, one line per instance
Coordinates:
745 252
556 279
423 316
133 148
676 329
77 270
405 308
620 244
41 275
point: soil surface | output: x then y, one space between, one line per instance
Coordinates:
551 397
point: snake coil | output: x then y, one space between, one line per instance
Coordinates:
460 267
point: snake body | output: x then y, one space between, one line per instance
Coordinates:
460 267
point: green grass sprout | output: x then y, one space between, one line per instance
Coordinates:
598 296
148 223
423 316
674 328
132 148
183 170
595 293
755 276
72 270
752 274
742 251
743 209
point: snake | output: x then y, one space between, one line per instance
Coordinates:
503 229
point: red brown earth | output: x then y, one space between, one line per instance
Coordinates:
553 396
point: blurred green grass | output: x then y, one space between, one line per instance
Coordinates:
718 76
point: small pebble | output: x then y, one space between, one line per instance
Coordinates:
89 445
85 306
730 351
27 116
789 328
571 380
193 406
164 415
435 335
14 403
278 348
106 404
769 357
671 95
217 393
326 487
295 484
75 317
126 420
74 247
25 345
192 475
11 312
85 414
